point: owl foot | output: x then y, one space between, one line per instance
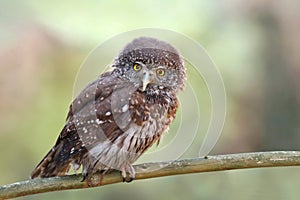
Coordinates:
128 168
84 176
127 181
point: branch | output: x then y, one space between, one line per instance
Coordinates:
145 171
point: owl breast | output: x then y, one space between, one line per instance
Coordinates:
141 119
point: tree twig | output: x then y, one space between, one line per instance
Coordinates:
158 169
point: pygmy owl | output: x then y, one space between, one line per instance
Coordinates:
117 117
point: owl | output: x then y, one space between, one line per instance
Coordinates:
120 115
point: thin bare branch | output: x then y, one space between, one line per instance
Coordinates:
158 169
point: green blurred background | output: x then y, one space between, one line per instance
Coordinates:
255 44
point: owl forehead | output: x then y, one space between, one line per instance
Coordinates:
150 56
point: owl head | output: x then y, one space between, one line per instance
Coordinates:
151 65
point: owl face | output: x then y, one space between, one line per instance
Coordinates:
150 64
148 76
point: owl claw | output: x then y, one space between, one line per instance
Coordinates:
127 181
130 179
128 168
84 175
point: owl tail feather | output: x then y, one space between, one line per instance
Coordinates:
50 166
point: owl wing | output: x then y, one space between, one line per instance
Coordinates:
89 120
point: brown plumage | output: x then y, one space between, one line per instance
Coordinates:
117 117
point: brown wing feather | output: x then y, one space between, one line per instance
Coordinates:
69 147
58 159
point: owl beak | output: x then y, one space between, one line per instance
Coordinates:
145 80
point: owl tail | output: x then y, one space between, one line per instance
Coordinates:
51 166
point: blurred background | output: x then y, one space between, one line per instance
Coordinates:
255 44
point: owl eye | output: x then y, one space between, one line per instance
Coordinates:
160 72
137 67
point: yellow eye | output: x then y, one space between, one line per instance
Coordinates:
160 72
137 67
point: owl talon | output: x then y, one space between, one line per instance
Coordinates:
130 179
84 176
128 168
127 181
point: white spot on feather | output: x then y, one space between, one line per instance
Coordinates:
85 130
99 121
125 108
